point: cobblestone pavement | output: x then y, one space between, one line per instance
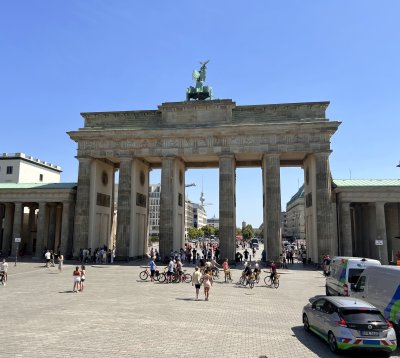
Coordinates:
120 316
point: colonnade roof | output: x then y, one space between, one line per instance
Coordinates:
366 182
38 185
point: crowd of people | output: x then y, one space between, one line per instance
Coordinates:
101 255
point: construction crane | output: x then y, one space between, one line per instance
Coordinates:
191 184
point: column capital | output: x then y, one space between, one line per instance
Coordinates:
84 159
271 155
226 155
125 159
323 154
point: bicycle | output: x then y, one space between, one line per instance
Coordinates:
272 282
245 280
145 274
215 273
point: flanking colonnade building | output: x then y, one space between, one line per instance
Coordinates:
200 134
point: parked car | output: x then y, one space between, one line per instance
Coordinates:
348 323
343 271
380 286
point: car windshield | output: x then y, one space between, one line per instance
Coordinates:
362 316
354 275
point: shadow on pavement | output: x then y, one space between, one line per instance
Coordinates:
321 348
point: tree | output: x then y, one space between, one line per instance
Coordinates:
208 230
247 232
193 233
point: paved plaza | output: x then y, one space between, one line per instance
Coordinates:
120 316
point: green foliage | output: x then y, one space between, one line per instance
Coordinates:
154 239
248 232
208 230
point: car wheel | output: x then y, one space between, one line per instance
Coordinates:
305 323
332 343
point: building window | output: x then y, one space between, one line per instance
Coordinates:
9 170
40 177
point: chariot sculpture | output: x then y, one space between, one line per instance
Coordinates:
199 92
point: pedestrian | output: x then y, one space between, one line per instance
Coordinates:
152 269
196 281
47 256
60 262
207 281
170 271
4 269
52 258
76 275
83 278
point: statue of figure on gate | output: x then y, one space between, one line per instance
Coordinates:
200 92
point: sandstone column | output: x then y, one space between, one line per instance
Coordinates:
2 211
31 227
172 205
7 233
272 205
324 215
41 231
124 209
227 206
381 233
346 245
65 229
17 226
52 227
81 226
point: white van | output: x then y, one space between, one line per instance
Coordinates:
380 286
343 271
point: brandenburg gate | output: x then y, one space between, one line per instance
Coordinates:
200 134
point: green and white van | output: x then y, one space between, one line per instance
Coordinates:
345 271
380 286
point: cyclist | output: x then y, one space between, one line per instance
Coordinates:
227 270
179 269
170 271
256 270
247 272
273 271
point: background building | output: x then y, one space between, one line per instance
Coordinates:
295 225
154 209
19 168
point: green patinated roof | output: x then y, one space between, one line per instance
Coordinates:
37 185
366 182
299 194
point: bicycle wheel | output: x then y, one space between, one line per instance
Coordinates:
241 280
276 283
188 277
143 275
161 277
267 281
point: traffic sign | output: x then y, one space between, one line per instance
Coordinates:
379 242
17 239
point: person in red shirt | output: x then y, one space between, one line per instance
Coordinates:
273 271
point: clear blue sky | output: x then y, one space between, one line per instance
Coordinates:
60 58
